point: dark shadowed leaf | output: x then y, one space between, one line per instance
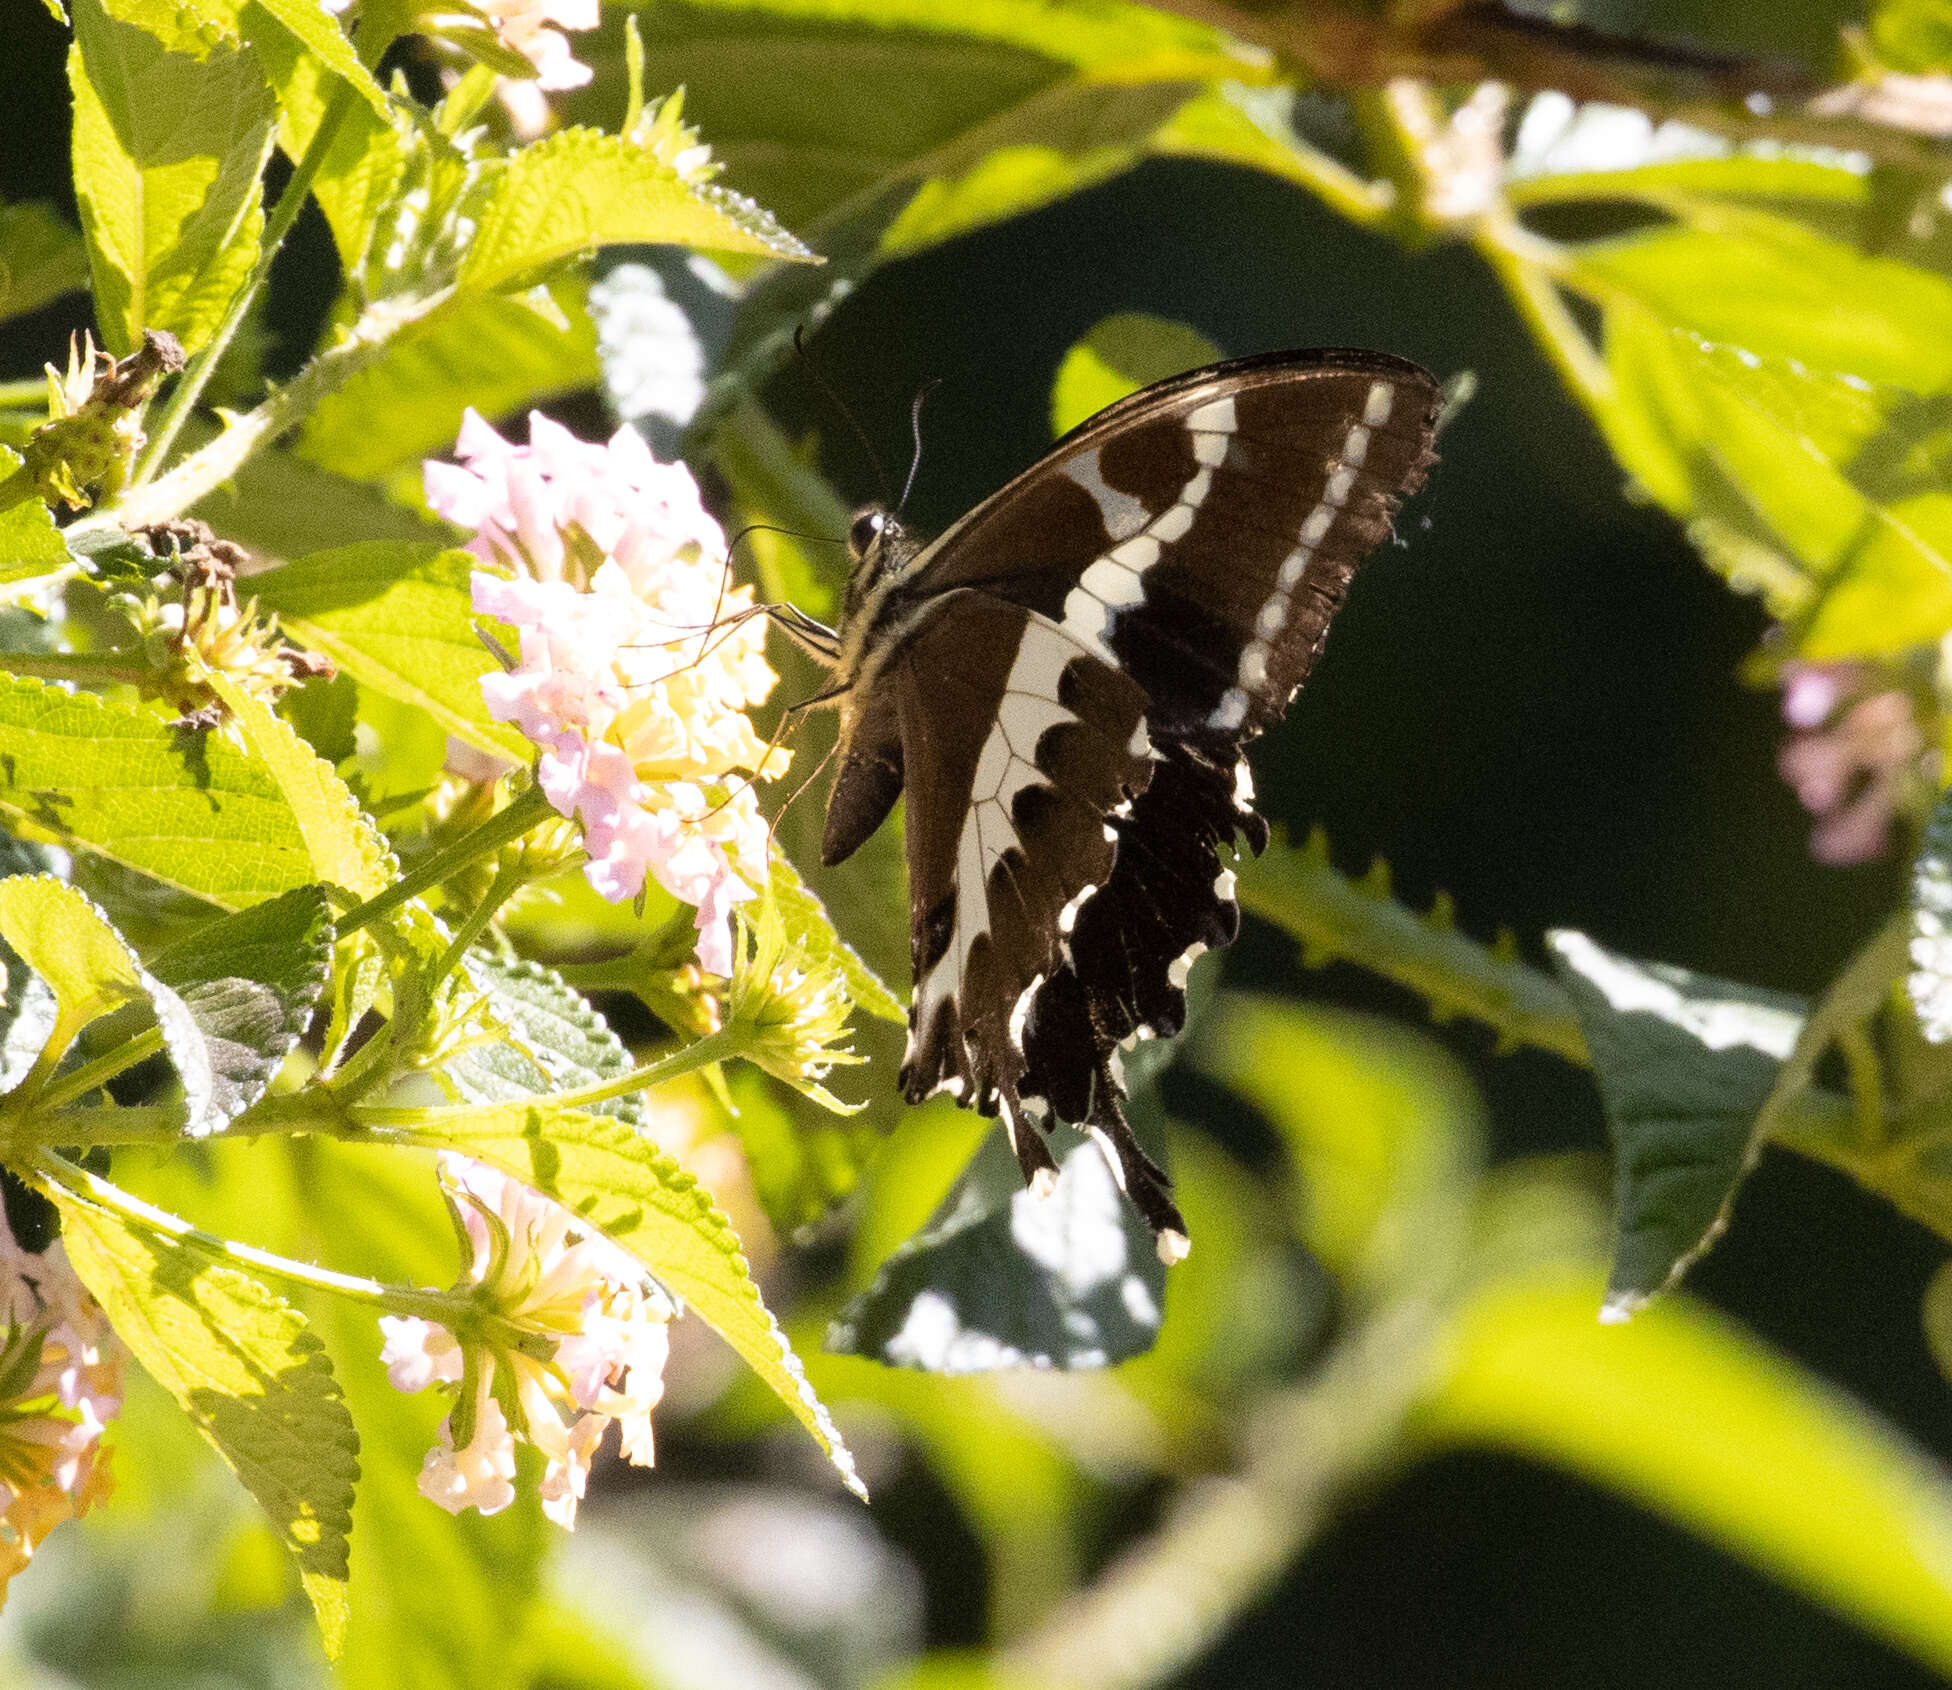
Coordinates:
1684 1064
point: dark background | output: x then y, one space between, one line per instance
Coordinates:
1530 701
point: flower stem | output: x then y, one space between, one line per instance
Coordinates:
79 1185
283 215
92 1076
527 808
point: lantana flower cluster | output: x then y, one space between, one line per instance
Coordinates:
633 678
1854 750
567 1336
60 1385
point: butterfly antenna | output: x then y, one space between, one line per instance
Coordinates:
787 717
915 429
839 404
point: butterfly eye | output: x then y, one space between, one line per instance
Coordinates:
867 529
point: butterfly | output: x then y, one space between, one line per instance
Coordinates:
1065 682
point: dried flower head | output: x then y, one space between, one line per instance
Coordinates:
60 1385
93 431
633 678
566 1334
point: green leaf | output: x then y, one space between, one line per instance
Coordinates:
1118 355
250 983
397 618
493 353
1000 1277
640 1197
186 808
806 922
1684 1414
1748 279
343 847
30 544
1684 1063
87 966
580 189
281 507
364 160
169 147
1914 36
1817 491
245 1367
557 1041
437 1601
1383 1129
41 258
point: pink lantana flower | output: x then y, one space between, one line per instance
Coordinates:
635 703
1854 748
60 1385
572 1336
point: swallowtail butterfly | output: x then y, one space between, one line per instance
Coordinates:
1065 682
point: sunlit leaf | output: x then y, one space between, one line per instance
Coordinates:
169 146
1689 1417
1119 355
397 617
637 1195
246 1368
493 353
30 544
581 189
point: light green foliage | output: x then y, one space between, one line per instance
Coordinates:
581 189
30 545
242 1363
1684 1063
642 1198
1913 35
79 957
807 924
396 617
496 354
1687 1416
172 228
41 258
341 845
1120 355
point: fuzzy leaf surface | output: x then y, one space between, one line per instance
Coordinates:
249 1372
1684 1063
397 617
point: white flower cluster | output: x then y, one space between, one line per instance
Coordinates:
631 680
573 1337
60 1385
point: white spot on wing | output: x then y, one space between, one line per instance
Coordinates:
1293 567
1316 528
1253 664
1211 449
1231 711
1173 524
1340 485
1067 918
1112 584
1382 398
1223 886
1356 447
1182 965
1273 616
1020 1013
1216 414
1123 515
1139 553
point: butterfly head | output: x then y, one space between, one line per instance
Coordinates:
881 551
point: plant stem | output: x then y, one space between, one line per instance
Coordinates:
418 1125
29 390
528 807
67 666
92 1076
79 1184
284 214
